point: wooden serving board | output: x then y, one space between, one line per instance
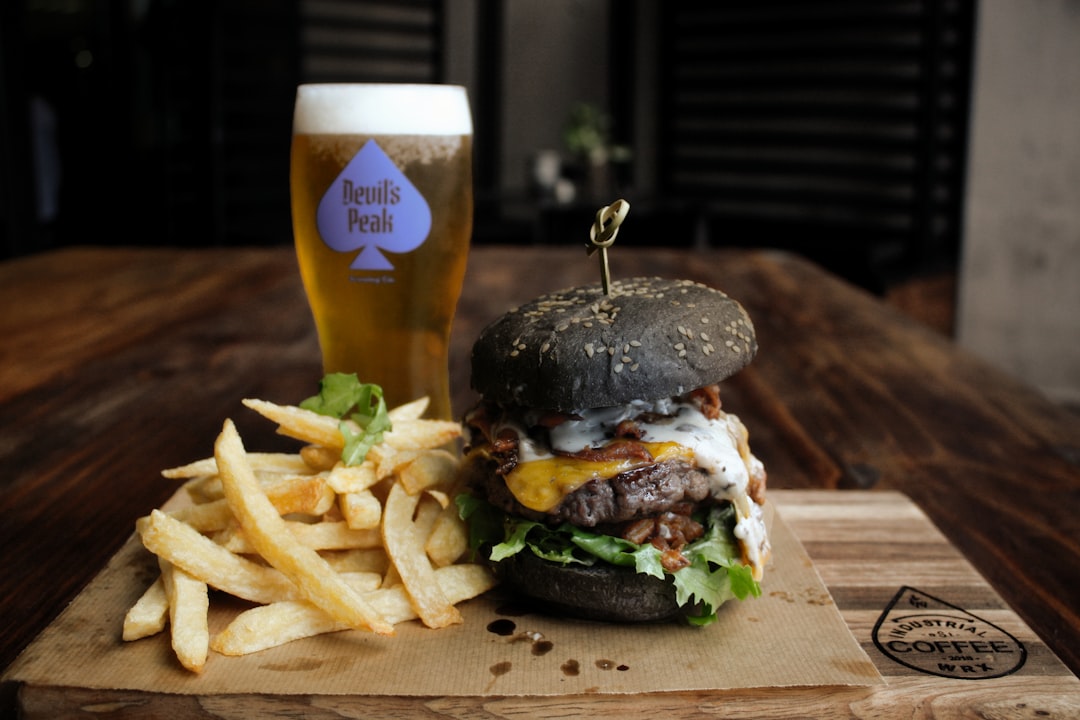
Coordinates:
944 642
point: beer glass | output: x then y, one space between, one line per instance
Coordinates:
382 205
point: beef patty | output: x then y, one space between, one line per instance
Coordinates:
635 494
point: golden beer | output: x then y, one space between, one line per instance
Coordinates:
382 204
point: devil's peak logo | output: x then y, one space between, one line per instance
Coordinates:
372 206
930 635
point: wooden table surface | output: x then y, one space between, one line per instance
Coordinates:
115 363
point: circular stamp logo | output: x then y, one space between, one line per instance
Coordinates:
932 636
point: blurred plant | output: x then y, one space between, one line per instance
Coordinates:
587 135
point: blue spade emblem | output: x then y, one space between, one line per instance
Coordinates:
371 206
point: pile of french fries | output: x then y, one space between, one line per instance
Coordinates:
317 546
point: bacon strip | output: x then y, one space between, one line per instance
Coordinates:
669 533
618 449
707 400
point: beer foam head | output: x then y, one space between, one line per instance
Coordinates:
381 109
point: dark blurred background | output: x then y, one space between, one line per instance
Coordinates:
926 150
836 128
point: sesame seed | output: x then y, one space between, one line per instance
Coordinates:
618 367
635 343
627 359
680 346
634 367
590 349
545 347
514 353
682 353
704 337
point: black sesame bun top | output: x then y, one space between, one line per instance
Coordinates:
649 338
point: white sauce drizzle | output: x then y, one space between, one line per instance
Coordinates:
715 444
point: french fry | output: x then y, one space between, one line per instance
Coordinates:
205 517
203 489
150 613
189 604
317 545
449 538
406 550
408 441
332 535
410 410
429 469
391 578
427 512
276 624
201 557
358 560
316 580
268 626
465 581
352 478
361 510
273 462
421 434
319 457
207 488
439 496
307 494
301 424
389 461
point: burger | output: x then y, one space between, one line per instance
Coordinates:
602 478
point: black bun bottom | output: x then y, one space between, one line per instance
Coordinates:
597 592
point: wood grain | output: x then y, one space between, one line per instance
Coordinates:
864 545
115 363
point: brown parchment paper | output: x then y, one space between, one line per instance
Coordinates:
793 635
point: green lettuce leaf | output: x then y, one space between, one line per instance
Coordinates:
343 396
715 574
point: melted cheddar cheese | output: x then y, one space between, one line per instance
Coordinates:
541 484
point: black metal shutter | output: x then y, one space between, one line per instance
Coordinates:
330 41
371 40
836 128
